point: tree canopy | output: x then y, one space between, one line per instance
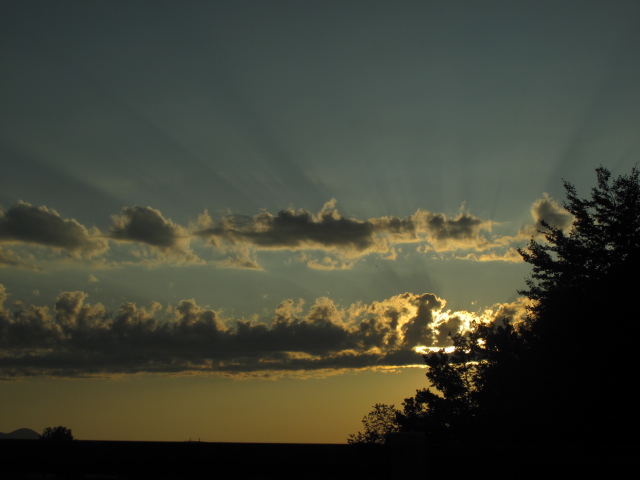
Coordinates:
56 433
377 423
567 372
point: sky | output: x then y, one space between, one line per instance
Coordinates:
244 221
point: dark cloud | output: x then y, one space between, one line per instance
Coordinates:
463 231
328 229
420 327
344 240
293 230
548 210
76 338
326 240
147 226
24 223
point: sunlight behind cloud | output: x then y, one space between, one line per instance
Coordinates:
76 338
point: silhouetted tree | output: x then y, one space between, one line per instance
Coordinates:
604 239
583 325
377 424
567 373
56 433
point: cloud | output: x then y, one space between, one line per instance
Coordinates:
543 209
326 240
147 226
440 232
548 210
24 223
516 311
242 256
294 230
8 258
509 255
76 338
343 240
447 234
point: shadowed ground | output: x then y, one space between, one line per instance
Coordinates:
135 460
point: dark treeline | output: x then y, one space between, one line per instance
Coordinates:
566 374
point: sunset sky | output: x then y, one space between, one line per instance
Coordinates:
242 221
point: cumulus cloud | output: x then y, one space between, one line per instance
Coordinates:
544 209
24 223
446 234
76 338
147 226
440 232
295 230
343 240
551 212
516 311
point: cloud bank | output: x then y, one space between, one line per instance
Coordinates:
74 338
326 240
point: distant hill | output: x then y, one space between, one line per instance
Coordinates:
21 434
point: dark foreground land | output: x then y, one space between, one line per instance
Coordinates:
33 459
